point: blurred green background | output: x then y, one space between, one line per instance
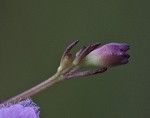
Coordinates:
33 35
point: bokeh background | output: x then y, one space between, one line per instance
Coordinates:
34 33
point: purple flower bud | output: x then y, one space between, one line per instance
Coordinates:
24 109
111 54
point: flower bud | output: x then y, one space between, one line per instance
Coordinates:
65 62
108 55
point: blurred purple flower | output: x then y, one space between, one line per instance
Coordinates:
24 109
111 54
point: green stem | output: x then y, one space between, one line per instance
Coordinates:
32 91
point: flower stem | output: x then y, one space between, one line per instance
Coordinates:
32 91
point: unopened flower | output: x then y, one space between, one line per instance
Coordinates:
111 54
24 109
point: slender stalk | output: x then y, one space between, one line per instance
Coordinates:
32 91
